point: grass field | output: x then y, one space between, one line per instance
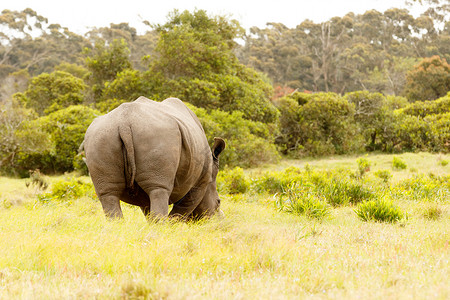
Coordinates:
68 250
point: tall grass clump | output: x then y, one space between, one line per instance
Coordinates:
424 188
379 211
363 166
342 190
384 175
302 201
337 187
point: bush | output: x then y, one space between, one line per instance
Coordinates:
249 143
66 128
426 108
423 126
317 124
233 181
379 211
19 137
398 163
67 190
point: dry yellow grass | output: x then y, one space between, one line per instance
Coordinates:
67 251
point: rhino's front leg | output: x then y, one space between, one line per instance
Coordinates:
184 208
111 206
146 210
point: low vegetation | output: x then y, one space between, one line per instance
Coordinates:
301 228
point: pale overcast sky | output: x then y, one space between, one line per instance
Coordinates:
80 15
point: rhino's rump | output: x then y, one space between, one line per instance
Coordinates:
170 149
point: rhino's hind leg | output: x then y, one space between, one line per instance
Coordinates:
111 206
159 203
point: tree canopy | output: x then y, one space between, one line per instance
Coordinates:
350 84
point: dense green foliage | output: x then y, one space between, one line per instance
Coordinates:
47 93
55 83
249 143
65 129
194 61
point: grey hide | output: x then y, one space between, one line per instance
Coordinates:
152 154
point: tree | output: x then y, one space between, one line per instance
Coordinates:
29 42
128 85
429 80
194 61
139 45
49 92
18 136
370 110
105 62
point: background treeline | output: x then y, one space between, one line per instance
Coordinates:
55 82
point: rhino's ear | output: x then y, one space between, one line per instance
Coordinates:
219 145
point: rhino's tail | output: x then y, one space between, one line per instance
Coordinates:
128 154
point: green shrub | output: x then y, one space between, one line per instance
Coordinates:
379 211
19 138
363 166
66 128
319 124
301 201
276 182
67 190
385 175
398 163
443 162
426 108
249 143
233 181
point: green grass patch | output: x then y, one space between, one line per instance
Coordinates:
379 211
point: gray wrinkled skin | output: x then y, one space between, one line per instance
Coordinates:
152 154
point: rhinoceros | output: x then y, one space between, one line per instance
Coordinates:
153 154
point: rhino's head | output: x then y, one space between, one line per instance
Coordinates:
210 203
